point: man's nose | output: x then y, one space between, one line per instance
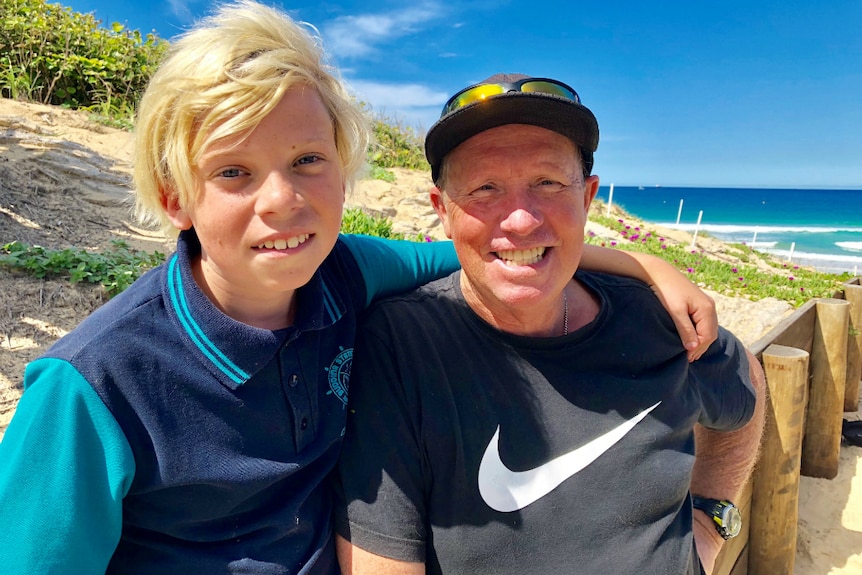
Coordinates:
522 217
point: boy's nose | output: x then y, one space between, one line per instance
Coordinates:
279 194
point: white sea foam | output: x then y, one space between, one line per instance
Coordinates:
831 263
850 246
762 245
751 228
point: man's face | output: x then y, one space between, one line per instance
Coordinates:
515 205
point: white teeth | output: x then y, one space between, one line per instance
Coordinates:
521 257
289 243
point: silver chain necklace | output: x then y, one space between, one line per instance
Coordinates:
565 314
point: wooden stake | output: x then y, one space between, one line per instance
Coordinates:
775 482
853 294
822 442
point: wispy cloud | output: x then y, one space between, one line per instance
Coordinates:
360 35
414 104
181 9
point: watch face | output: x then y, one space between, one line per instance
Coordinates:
732 521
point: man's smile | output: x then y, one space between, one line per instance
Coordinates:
515 258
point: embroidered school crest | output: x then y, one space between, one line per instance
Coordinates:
339 374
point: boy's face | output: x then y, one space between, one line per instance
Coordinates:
267 210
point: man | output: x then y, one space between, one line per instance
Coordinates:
519 417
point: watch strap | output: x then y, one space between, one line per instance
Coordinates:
715 508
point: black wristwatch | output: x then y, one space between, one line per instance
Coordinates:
728 520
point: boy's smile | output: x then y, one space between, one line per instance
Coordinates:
268 210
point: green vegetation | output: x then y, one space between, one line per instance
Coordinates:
397 146
114 269
52 55
784 281
357 221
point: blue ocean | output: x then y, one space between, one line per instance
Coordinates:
818 228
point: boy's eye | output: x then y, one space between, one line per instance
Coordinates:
230 173
310 159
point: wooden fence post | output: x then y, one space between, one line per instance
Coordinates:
853 294
821 444
775 482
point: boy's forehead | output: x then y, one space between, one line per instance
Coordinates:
300 117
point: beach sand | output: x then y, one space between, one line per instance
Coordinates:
64 181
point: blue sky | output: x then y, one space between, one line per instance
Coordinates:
734 93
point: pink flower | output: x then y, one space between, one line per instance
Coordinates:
790 278
690 270
733 270
613 243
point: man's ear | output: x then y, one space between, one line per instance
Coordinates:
590 191
439 204
177 215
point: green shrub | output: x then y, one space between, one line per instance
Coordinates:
52 55
397 146
357 221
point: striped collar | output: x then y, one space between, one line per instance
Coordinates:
233 351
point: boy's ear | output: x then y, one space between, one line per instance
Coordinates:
178 216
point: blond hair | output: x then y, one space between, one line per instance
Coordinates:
220 80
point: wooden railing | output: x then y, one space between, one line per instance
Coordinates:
813 364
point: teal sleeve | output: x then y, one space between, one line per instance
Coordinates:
65 467
393 266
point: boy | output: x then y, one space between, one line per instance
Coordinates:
188 425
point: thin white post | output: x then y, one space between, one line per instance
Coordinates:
792 247
696 227
754 239
855 270
679 213
610 200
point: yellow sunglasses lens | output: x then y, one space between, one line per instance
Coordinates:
474 94
484 91
548 88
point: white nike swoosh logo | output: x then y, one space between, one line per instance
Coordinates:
506 490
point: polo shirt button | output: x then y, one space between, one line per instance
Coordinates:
294 379
303 424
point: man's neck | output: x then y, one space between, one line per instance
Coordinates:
551 315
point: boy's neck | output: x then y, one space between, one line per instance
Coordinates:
272 312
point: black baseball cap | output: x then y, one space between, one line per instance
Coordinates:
512 99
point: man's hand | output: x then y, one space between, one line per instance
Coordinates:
707 540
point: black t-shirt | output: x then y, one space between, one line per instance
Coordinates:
479 451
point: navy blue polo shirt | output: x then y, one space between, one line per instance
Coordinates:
163 436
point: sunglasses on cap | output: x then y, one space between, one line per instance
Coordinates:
480 92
